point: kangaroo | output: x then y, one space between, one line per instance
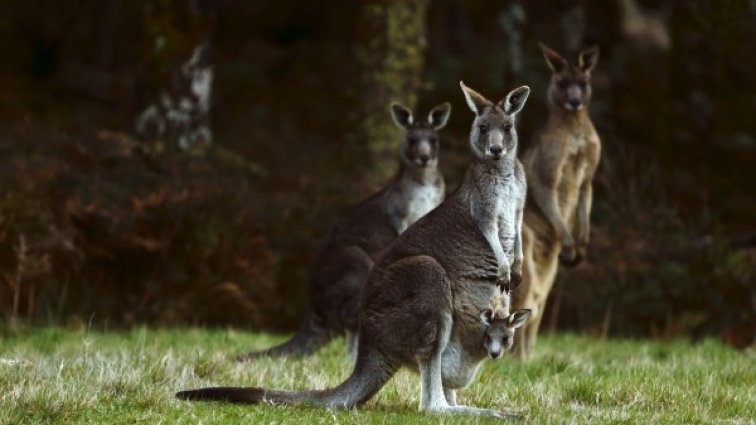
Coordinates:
430 274
473 340
560 164
343 263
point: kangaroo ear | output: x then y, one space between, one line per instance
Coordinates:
402 115
588 58
515 100
554 60
518 318
486 316
475 100
439 115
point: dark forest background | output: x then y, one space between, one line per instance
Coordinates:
101 224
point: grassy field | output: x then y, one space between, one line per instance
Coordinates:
62 376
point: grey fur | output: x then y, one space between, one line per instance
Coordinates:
343 263
420 307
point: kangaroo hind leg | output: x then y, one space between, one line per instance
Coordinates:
432 396
451 396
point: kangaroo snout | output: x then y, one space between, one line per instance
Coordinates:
423 153
574 104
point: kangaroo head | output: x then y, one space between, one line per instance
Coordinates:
570 86
493 135
500 329
420 145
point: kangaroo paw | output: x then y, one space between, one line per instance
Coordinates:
569 256
515 279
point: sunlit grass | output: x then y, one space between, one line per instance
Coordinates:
62 376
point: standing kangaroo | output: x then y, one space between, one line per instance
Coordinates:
417 299
560 164
342 265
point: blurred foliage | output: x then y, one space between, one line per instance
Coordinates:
180 243
302 91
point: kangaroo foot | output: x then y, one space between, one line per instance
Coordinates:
477 411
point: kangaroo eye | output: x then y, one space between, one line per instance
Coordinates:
483 128
507 128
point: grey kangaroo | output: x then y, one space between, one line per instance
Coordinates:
560 164
464 353
342 265
429 278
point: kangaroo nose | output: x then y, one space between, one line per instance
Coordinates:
496 150
575 103
495 354
424 159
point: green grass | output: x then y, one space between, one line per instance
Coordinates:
62 376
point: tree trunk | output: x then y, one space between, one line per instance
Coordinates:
390 45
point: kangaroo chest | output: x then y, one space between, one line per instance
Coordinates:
422 200
506 213
576 168
496 201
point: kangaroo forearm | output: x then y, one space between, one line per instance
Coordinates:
555 219
546 200
491 234
399 223
509 244
583 222
518 255
401 227
582 233
498 250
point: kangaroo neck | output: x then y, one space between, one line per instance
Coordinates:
483 177
559 116
501 169
409 173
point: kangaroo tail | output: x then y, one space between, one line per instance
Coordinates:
309 339
371 372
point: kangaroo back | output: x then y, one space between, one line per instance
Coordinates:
449 235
